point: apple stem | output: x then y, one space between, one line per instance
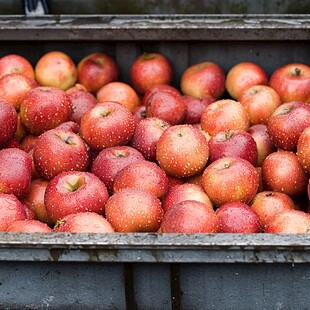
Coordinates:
297 71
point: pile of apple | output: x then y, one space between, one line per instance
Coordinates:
82 152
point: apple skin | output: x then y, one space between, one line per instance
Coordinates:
69 126
242 76
148 70
202 80
190 217
83 222
283 172
260 101
134 210
15 171
233 142
119 92
11 210
182 151
29 226
139 113
286 124
264 145
72 192
289 222
13 63
159 88
292 82
303 149
142 174
8 121
230 179
96 70
268 204
224 114
107 124
185 191
146 135
237 217
45 108
56 69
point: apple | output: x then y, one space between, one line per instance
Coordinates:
264 145
11 210
224 114
233 142
189 217
29 213
107 124
303 149
69 126
242 76
134 210
139 113
205 134
202 80
159 88
148 70
230 179
15 171
45 108
182 151
13 63
8 121
268 204
292 82
96 70
142 174
82 101
72 192
282 172
173 181
185 191
21 131
289 222
29 226
146 135
14 87
260 101
287 123
237 217
121 93
83 222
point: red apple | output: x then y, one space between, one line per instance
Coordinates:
189 216
159 88
96 70
21 131
148 70
56 69
237 217
242 76
303 149
84 222
289 222
202 80
186 191
142 174
146 135
139 113
69 126
11 210
13 63
45 108
72 192
107 124
283 172
292 82
287 123
134 210
269 204
230 179
224 114
260 101
15 172
182 151
233 142
119 92
173 181
29 226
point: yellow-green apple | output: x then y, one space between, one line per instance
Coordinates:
202 80
182 150
13 63
303 149
8 121
134 210
29 226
